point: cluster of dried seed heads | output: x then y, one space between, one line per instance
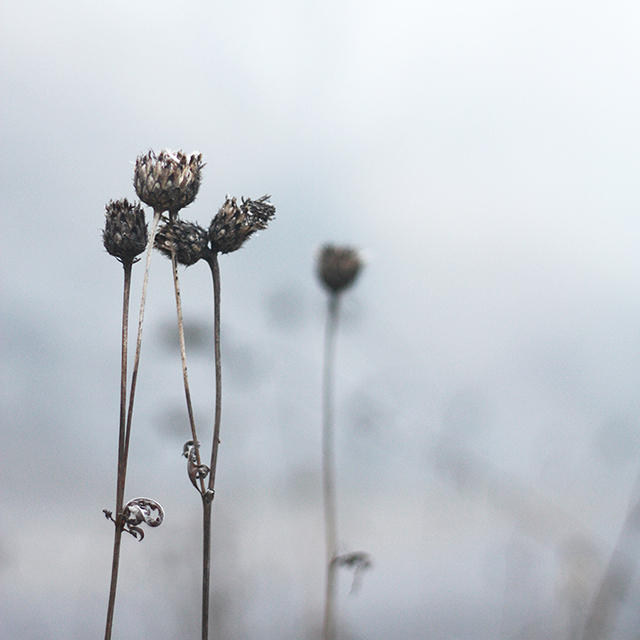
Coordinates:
232 226
168 182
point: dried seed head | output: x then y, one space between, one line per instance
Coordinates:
168 181
338 267
234 224
125 230
188 240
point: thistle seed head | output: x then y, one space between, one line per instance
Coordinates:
168 181
338 267
125 230
235 223
189 241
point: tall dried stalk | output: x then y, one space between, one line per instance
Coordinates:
169 182
230 228
166 182
121 457
215 276
125 428
329 469
185 376
187 243
337 270
206 493
208 498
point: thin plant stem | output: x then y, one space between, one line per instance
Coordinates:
215 274
206 564
208 497
136 362
328 470
183 356
121 458
125 425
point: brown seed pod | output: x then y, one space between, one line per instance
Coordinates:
235 223
189 241
168 181
338 267
125 230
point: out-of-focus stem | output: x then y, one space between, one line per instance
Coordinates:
616 581
328 470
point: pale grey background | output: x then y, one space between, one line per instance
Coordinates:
484 155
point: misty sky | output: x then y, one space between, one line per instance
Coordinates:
484 157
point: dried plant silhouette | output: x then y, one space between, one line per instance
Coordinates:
168 182
125 238
337 269
186 243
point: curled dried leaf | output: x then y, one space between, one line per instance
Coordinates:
359 561
194 470
141 511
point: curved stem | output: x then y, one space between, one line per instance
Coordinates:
121 457
215 274
183 356
207 499
328 469
136 362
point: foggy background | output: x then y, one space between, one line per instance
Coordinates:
484 156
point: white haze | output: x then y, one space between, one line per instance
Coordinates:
484 156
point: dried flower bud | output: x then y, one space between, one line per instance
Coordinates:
168 181
338 267
234 224
189 241
125 230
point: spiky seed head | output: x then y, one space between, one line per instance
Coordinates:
189 241
338 267
235 223
125 230
168 181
